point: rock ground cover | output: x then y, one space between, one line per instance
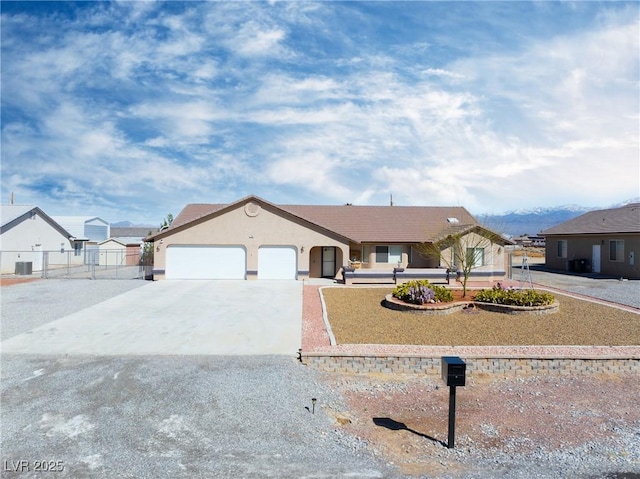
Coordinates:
584 426
539 426
357 317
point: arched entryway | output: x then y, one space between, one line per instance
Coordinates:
324 261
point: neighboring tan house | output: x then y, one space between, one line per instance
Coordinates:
602 241
89 230
255 239
29 238
119 251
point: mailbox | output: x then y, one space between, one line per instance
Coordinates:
453 370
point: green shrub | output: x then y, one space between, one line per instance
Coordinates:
421 292
514 297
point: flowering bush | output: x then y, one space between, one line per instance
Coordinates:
514 297
422 292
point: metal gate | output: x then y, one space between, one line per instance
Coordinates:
95 264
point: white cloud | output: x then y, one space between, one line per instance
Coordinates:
208 99
254 39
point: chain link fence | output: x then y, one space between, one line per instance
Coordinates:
92 263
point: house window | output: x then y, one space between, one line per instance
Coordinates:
77 249
388 254
475 257
562 248
616 250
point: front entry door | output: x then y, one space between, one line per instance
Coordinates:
595 258
328 262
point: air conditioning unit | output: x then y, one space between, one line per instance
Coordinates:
24 267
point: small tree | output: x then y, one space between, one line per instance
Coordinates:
167 221
461 250
146 259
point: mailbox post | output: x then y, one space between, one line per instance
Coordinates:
453 374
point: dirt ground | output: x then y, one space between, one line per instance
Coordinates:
404 419
357 317
14 280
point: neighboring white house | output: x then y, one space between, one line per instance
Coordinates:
120 251
28 235
90 230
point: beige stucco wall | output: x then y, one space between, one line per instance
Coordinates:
581 247
366 254
29 240
239 227
495 258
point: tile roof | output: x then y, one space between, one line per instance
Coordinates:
132 231
194 211
625 219
383 223
389 224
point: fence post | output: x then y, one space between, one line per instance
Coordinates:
45 265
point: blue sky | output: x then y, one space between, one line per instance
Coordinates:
130 110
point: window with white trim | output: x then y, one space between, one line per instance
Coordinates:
388 254
475 257
616 250
562 248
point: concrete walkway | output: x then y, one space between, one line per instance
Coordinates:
178 318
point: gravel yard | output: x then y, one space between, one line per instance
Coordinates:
608 289
29 304
357 317
544 427
178 417
537 426
202 416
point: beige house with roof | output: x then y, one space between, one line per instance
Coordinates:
602 242
255 239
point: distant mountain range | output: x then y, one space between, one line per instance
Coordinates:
533 221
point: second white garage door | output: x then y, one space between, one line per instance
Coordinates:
277 262
206 262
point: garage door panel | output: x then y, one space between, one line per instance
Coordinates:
277 262
206 262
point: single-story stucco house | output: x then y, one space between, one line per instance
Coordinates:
601 241
255 239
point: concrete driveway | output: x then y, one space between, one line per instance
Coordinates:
178 318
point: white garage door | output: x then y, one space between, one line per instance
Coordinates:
206 262
277 262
